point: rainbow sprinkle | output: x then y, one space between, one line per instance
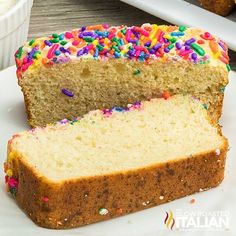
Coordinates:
103 211
217 151
45 199
12 182
143 44
130 107
137 72
67 92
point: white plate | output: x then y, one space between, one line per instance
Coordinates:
148 222
183 13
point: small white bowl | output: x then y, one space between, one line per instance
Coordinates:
14 26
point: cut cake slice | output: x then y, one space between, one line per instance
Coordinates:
112 162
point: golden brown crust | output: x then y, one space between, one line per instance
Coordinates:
74 202
215 110
27 104
221 7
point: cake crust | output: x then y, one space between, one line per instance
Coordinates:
87 200
221 7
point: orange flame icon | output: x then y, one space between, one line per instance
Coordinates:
169 220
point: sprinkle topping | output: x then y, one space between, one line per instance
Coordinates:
144 44
45 199
217 151
137 72
103 211
12 182
165 95
205 106
192 201
67 92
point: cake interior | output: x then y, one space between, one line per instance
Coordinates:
158 131
95 84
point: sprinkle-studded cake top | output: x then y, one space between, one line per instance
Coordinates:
145 44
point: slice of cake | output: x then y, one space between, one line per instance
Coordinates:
69 74
113 162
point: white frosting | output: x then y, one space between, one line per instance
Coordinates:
5 5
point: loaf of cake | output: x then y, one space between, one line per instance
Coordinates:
220 7
115 161
69 74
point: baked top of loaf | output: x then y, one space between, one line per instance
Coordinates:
146 44
118 139
221 7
